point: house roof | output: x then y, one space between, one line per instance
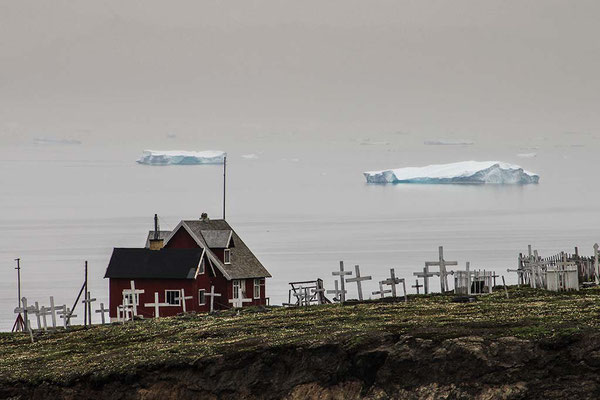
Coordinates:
161 235
154 264
244 264
217 239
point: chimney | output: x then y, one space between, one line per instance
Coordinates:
156 243
204 217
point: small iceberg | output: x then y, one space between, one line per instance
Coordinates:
466 172
152 157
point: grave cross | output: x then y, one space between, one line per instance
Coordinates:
53 312
302 295
87 303
381 292
393 281
426 275
358 279
494 276
43 312
133 292
126 309
238 302
341 274
212 296
25 310
36 311
156 305
102 311
66 315
183 299
596 269
443 272
337 292
417 286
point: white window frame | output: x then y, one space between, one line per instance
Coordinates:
178 297
257 285
227 256
201 296
236 284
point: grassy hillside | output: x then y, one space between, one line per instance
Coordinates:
103 351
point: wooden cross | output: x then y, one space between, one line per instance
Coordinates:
212 296
443 272
596 269
66 315
156 305
393 281
341 274
358 279
426 275
494 276
133 291
337 292
87 303
302 295
183 299
239 301
102 311
417 286
25 310
381 292
36 311
126 309
53 312
43 312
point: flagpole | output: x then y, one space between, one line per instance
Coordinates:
224 183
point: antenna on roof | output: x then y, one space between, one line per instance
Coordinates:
224 183
156 228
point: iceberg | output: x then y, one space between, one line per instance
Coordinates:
152 157
466 172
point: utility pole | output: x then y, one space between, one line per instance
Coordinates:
224 183
18 268
85 295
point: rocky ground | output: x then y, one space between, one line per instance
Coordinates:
535 345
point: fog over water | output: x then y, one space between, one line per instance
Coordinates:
317 92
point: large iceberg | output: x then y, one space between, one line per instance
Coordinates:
469 172
152 157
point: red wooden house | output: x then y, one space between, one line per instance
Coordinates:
182 266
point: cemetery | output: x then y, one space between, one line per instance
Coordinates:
345 325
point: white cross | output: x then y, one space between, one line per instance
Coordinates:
53 312
25 310
183 299
381 292
337 292
87 302
443 272
393 281
66 315
426 275
102 311
126 309
358 279
341 274
302 295
43 312
133 291
156 305
238 302
212 296
36 311
596 270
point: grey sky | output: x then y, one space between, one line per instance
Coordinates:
476 68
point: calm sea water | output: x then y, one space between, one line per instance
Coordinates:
300 205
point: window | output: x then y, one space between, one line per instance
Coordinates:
201 297
172 297
257 288
227 256
236 289
129 298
